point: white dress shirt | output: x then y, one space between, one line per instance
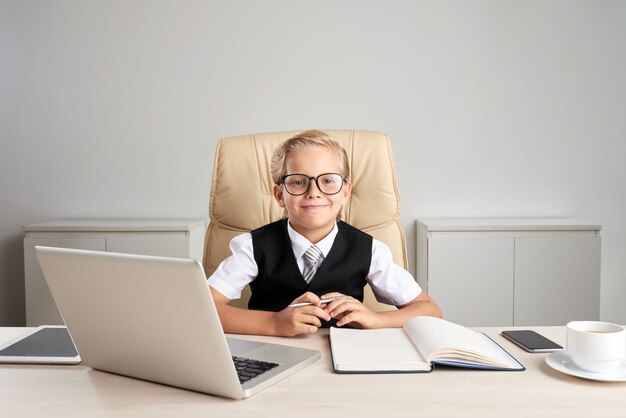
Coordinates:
391 283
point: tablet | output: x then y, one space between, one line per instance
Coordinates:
48 344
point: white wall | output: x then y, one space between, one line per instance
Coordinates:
495 108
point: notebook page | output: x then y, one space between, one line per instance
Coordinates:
439 339
375 349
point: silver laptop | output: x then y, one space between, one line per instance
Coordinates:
153 318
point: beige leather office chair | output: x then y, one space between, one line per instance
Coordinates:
242 195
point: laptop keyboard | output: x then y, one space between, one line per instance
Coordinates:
248 368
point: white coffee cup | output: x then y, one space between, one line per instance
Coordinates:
594 346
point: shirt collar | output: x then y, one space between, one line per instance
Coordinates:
300 244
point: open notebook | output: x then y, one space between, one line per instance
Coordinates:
421 343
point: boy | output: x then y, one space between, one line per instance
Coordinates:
311 255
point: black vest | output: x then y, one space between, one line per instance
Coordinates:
280 281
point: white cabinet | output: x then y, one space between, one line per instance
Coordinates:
181 238
503 272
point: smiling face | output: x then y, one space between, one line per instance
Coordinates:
312 214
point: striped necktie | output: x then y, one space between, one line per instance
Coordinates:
310 262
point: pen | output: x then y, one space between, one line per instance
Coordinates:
325 300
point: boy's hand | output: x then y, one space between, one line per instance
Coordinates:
301 319
349 311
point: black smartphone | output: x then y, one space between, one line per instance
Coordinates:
531 341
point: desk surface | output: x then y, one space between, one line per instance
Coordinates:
78 391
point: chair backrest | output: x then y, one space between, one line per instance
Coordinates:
242 197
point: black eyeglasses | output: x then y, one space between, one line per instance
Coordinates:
299 184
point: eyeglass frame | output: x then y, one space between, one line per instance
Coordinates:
281 180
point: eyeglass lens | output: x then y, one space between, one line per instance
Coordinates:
298 184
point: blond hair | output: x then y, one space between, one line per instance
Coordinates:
307 139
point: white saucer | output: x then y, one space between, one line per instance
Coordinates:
561 361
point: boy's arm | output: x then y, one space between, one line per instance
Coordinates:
422 305
351 311
288 322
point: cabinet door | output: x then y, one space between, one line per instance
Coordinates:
471 278
40 306
164 244
557 279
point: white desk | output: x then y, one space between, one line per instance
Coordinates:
78 391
